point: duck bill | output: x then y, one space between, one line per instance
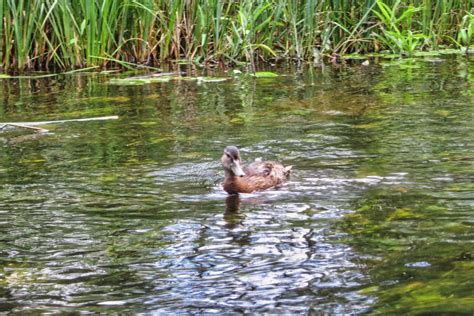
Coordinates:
237 169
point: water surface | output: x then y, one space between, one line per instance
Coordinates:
129 215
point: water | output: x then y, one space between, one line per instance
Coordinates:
128 215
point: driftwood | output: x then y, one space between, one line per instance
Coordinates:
31 125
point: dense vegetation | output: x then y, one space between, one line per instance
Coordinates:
88 33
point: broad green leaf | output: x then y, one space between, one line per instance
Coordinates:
264 74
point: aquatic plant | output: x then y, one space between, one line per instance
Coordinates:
397 28
64 34
466 32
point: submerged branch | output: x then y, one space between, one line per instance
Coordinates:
100 118
31 125
36 129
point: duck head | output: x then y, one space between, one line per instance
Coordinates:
231 161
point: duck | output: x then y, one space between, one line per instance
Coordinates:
257 176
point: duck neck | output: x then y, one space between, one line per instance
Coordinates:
229 174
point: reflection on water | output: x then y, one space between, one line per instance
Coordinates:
129 215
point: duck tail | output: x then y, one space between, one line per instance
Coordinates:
288 170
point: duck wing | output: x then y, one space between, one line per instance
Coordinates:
258 168
267 169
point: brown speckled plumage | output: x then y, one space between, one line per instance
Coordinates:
259 175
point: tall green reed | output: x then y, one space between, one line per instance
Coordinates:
87 33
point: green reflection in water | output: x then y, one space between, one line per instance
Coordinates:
419 232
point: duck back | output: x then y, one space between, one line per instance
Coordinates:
258 176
